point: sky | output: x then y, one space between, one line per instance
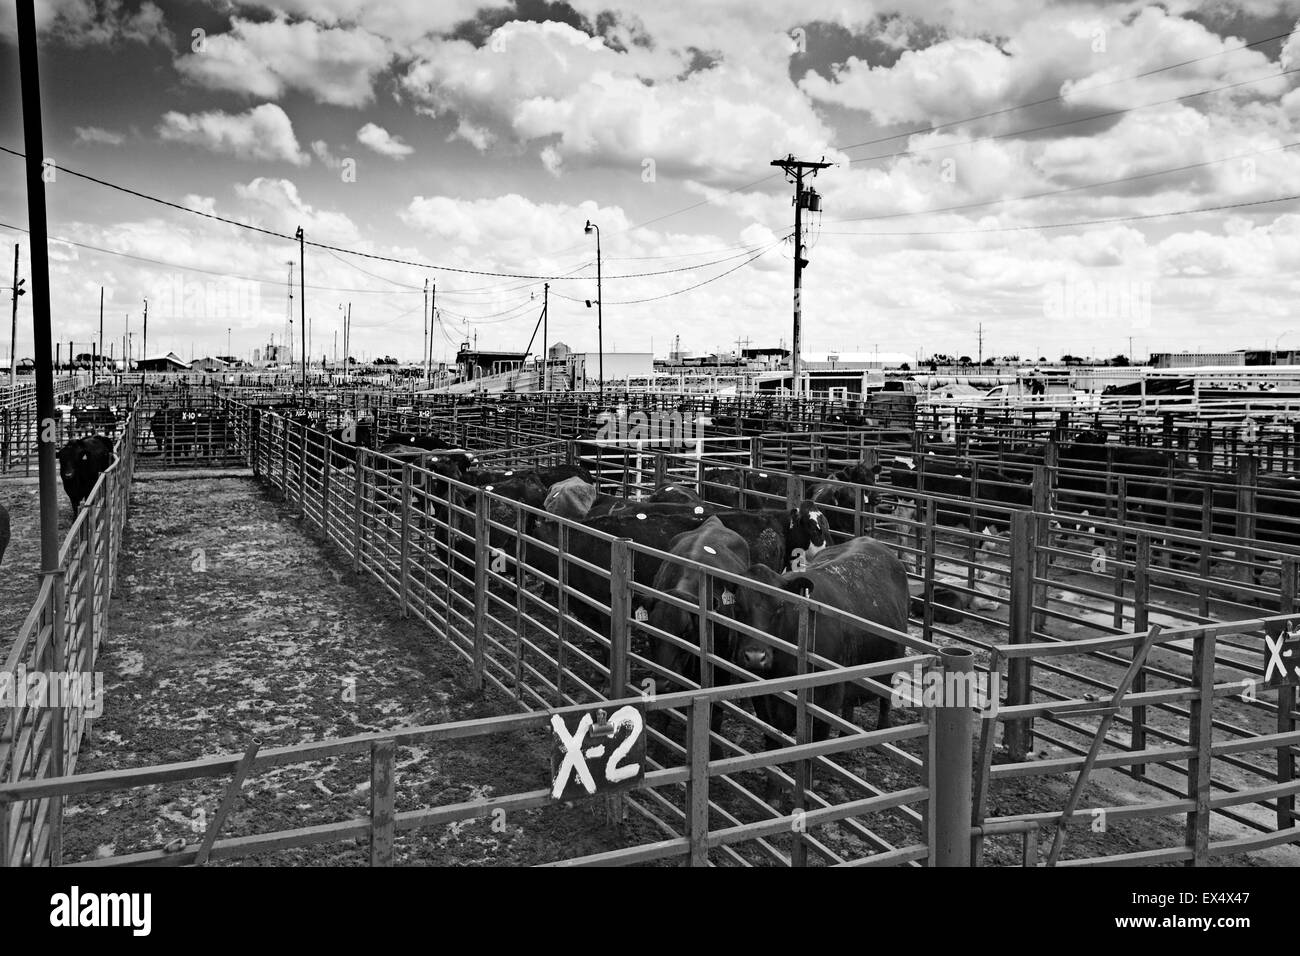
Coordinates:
1088 178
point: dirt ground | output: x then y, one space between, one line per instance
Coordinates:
20 573
230 621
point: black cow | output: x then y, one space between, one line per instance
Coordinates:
716 546
861 577
952 479
81 462
4 532
673 493
412 440
96 417
840 501
184 431
723 486
1276 518
1082 483
775 539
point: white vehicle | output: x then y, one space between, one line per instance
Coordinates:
1022 393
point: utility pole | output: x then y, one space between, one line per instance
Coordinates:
795 171
424 354
144 343
34 147
600 308
13 332
546 355
433 316
980 359
302 305
99 357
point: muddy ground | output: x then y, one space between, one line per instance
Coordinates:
230 621
20 572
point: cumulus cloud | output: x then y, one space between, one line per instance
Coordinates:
262 133
1085 58
277 204
83 23
383 142
334 65
403 20
579 100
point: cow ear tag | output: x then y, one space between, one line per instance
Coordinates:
641 615
728 598
640 516
699 510
509 473
709 550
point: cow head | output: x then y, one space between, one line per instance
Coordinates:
768 613
71 456
806 533
683 624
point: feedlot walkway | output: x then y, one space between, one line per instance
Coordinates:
231 621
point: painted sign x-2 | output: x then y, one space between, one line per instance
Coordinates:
1282 659
594 755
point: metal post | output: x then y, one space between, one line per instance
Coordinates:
951 725
94 366
620 602
1018 734
697 785
302 305
13 330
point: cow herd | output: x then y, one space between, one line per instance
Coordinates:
763 529
781 552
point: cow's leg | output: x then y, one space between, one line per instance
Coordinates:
882 715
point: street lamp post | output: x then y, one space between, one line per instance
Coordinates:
600 296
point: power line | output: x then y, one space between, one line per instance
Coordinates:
1078 222
1068 189
668 295
340 249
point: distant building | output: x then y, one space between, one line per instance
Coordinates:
209 364
766 358
1196 359
479 363
276 354
170 362
619 366
836 361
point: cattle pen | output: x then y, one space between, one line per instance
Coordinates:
1128 657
